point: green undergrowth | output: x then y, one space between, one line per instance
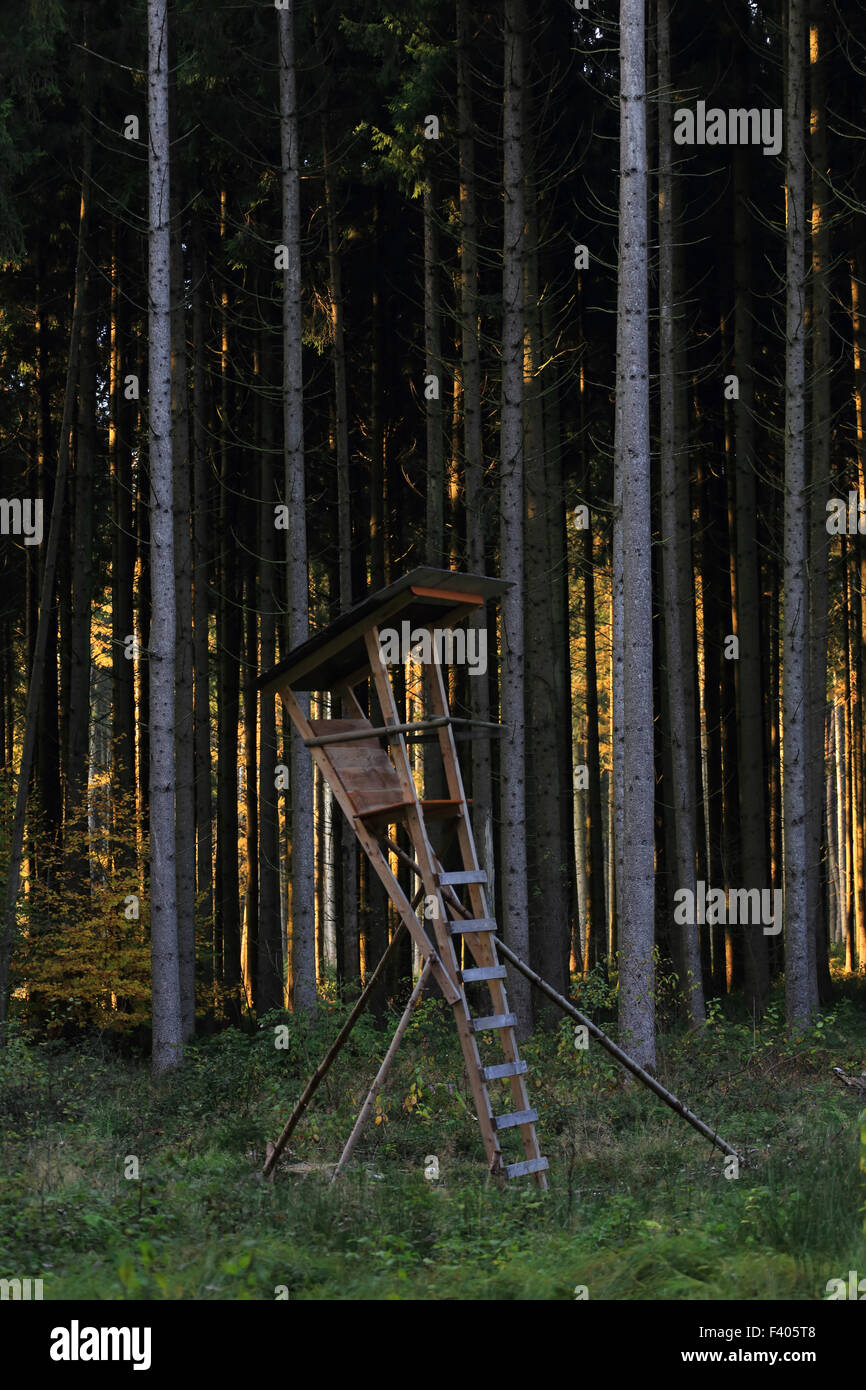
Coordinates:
640 1206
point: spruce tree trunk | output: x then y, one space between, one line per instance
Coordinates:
204 880
48 780
252 921
548 857
637 904
858 612
816 883
344 842
122 570
513 748
473 447
595 941
303 877
795 672
183 708
227 926
434 382
78 724
167 1029
676 534
750 729
269 978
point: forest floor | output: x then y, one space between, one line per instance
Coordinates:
639 1206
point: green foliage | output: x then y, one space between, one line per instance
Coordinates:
84 947
639 1207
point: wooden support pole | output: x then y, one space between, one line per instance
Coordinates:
353 735
622 1057
382 1073
325 1065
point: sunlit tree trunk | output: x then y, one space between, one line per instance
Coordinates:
227 926
122 566
816 884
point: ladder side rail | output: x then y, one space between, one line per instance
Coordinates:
508 1044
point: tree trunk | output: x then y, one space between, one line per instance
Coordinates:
120 436
473 446
676 534
637 906
49 781
816 884
750 728
513 749
204 880
303 877
78 727
167 1031
269 979
434 382
252 918
795 674
227 926
546 852
183 708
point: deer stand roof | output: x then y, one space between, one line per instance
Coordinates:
367 767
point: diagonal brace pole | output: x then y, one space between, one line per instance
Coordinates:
622 1057
325 1065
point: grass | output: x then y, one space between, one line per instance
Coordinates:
639 1208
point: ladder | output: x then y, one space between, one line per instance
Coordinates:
460 930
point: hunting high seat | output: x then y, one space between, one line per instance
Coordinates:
370 776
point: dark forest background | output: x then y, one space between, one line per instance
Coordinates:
404 176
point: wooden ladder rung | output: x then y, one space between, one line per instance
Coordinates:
458 876
504 1069
485 972
472 924
519 1117
529 1165
481 1025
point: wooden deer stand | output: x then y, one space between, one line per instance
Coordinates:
370 776
369 773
